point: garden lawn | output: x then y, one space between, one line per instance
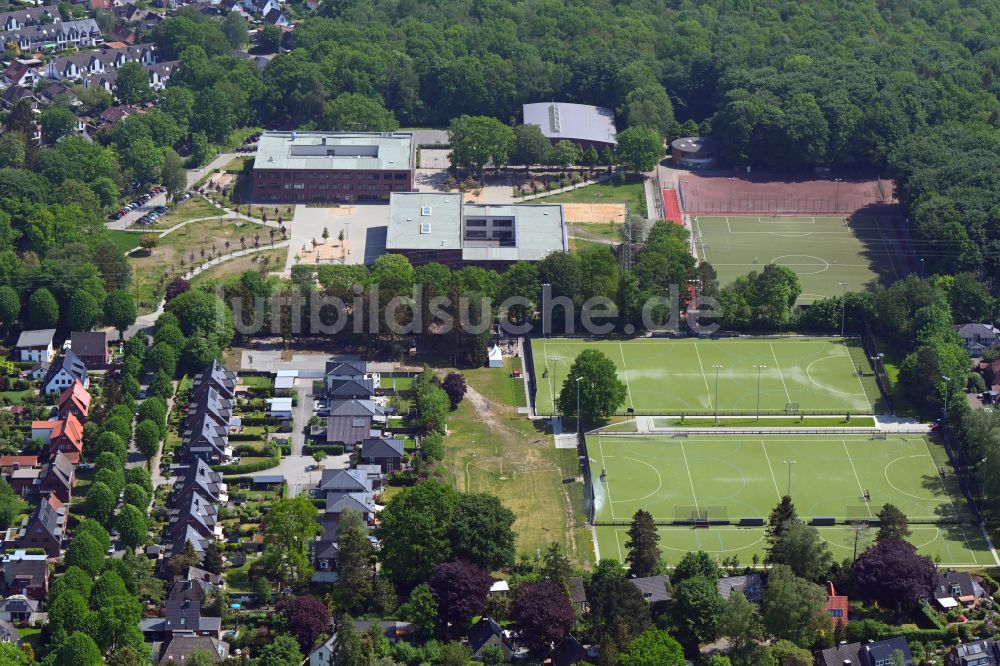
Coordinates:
632 192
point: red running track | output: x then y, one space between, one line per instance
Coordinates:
672 206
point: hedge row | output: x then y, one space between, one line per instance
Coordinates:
247 468
260 420
245 437
328 449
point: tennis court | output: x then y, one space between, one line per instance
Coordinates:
670 376
728 478
823 251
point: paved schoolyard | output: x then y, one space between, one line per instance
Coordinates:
364 227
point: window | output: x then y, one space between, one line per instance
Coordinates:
425 227
324 564
400 176
836 612
956 590
425 211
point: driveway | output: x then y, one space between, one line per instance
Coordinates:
294 469
363 225
303 412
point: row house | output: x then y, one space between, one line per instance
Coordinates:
22 18
197 478
78 34
86 65
45 528
158 73
183 613
196 513
26 574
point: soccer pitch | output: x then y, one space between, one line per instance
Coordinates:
731 477
823 251
676 376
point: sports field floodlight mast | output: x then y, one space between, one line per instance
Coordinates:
843 307
947 392
717 368
544 285
789 464
758 368
579 417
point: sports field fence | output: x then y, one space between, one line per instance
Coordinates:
963 470
870 346
588 479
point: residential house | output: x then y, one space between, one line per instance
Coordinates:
22 73
872 653
278 18
38 371
214 405
122 34
65 370
208 580
487 632
45 528
204 439
751 586
197 477
19 608
324 552
958 586
653 588
92 348
9 99
58 477
198 514
836 605
342 389
214 376
55 90
64 434
183 610
342 369
129 13
26 574
985 652
9 633
21 18
35 346
24 481
349 431
75 400
175 543
9 464
570 651
59 35
978 337
386 452
360 502
181 646
393 630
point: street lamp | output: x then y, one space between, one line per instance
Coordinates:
545 286
731 194
758 368
579 417
789 463
836 204
921 268
947 394
717 368
843 307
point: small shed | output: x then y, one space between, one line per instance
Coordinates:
284 380
279 407
262 481
496 357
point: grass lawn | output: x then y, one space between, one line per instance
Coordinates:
275 259
397 383
631 191
497 383
156 269
237 164
677 376
496 451
124 240
257 381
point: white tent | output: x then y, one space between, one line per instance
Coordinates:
947 602
496 357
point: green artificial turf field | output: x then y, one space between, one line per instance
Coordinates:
678 376
823 251
732 477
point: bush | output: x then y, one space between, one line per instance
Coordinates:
247 468
328 449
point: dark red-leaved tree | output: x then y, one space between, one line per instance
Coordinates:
454 386
176 287
307 617
543 615
460 590
893 573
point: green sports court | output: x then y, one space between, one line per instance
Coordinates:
823 251
673 376
726 478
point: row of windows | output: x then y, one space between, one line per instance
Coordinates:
347 187
326 175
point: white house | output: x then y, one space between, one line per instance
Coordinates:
35 346
66 370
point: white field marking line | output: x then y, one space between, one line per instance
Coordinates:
780 374
856 477
690 478
607 486
953 507
597 547
885 472
829 388
618 530
618 540
659 480
701 241
708 391
768 458
621 350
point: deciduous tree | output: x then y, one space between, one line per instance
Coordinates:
414 532
307 618
482 531
793 608
542 615
601 392
460 590
653 647
893 573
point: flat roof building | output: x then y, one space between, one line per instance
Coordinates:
332 166
440 227
580 123
695 152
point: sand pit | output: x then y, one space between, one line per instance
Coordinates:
594 213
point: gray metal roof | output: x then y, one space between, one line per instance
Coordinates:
575 122
335 150
36 338
433 221
695 144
